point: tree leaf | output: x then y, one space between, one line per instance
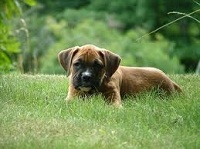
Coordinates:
30 2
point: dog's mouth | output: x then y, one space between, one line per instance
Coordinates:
85 89
86 86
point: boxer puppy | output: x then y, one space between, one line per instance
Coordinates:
92 69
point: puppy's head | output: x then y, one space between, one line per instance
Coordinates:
88 66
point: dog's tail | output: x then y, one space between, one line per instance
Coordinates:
177 88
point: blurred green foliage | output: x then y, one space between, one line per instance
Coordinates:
51 26
9 45
147 53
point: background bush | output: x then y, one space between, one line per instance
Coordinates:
50 26
147 53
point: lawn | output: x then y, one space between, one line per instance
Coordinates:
33 114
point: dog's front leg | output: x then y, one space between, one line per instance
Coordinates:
69 97
113 97
71 94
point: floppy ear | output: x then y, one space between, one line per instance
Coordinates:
65 58
112 62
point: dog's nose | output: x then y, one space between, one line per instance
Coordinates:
86 76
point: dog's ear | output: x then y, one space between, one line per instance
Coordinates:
112 62
65 58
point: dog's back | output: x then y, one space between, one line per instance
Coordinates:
137 79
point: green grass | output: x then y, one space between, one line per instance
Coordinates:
33 114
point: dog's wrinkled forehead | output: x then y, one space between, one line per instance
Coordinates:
88 53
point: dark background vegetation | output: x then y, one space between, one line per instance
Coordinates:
32 33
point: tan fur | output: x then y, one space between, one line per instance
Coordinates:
117 81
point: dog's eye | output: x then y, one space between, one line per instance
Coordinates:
98 65
77 64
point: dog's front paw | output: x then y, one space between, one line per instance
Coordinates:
68 99
117 105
